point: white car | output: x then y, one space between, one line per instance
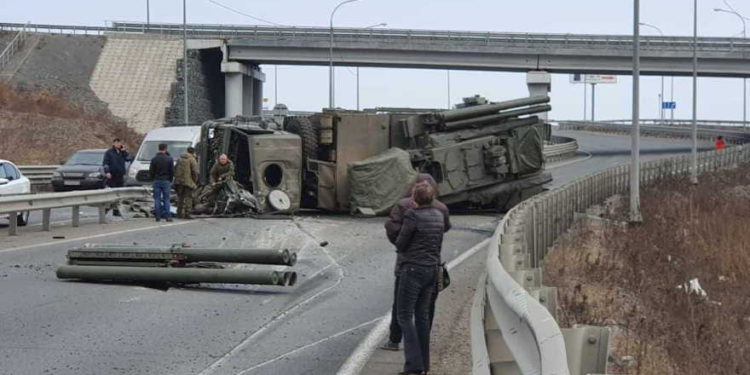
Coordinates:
12 182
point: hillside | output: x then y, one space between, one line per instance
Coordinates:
40 127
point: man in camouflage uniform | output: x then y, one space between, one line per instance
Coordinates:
185 181
222 170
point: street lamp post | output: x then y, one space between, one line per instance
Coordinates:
744 80
368 27
184 60
694 159
331 83
661 96
635 163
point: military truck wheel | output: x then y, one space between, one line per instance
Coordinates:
303 127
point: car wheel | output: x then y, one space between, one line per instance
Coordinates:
22 219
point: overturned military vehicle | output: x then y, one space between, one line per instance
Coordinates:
480 154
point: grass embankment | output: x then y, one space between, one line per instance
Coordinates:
633 278
39 127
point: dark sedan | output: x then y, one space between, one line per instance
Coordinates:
83 170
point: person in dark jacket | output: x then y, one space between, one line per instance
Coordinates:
114 167
392 228
418 247
162 172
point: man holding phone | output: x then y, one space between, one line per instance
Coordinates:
114 167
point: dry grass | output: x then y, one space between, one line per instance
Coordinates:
41 128
629 278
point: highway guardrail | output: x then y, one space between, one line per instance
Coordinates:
708 133
513 325
38 174
15 204
560 148
527 40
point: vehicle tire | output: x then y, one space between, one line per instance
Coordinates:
303 127
22 219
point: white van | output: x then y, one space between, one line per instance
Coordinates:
178 139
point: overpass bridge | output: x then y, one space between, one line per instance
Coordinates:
246 47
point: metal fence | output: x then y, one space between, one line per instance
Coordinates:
514 295
38 174
14 46
16 204
732 135
524 40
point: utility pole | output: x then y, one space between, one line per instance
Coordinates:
331 82
275 85
449 88
593 102
148 15
585 99
635 165
694 159
184 60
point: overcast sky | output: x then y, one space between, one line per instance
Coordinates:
306 88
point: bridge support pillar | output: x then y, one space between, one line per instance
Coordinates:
243 89
539 83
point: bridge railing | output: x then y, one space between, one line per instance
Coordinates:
512 324
522 40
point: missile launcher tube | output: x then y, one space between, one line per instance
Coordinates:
177 275
490 119
489 109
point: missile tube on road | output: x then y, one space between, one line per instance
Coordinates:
177 275
253 256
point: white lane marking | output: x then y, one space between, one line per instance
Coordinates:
247 341
359 357
93 236
301 348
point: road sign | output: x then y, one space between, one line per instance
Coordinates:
668 105
593 78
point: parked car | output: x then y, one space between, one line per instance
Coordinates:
82 171
12 182
177 138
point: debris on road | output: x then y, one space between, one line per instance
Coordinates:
176 264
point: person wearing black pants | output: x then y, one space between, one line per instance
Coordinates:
392 229
114 168
418 247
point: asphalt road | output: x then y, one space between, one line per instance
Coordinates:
62 327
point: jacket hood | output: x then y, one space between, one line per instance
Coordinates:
186 156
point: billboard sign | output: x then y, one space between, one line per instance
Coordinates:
593 78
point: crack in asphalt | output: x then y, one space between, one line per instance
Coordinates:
247 341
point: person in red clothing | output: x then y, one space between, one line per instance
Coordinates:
720 143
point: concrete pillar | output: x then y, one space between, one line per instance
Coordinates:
257 96
539 83
243 89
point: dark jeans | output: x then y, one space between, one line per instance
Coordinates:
416 287
395 330
161 198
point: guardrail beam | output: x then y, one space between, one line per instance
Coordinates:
587 349
46 213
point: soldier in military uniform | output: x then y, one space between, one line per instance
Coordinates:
185 181
222 170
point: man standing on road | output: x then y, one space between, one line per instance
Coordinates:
114 167
392 229
162 172
185 182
